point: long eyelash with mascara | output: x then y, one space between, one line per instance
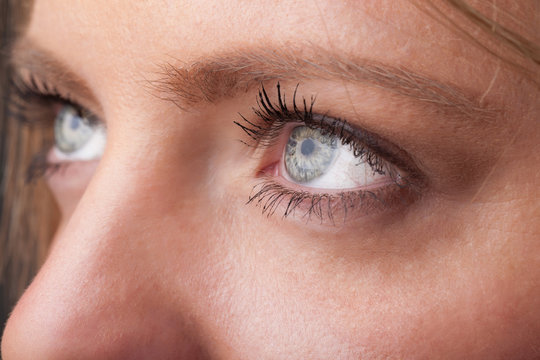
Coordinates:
32 102
28 99
383 157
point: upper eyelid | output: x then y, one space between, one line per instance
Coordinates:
275 113
43 92
29 83
28 59
48 92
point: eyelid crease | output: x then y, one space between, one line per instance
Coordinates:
333 209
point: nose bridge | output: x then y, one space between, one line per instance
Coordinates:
98 294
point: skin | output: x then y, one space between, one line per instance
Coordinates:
158 255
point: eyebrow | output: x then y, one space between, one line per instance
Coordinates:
214 78
224 75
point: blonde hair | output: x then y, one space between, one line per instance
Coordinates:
496 34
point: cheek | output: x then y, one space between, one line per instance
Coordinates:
451 299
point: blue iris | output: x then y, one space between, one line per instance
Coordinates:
309 153
75 122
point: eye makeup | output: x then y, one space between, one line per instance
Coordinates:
36 102
392 180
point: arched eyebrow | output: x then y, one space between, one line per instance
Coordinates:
221 76
224 75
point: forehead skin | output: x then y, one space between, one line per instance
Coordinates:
396 34
242 288
377 30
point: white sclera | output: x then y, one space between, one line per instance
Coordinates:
347 172
344 172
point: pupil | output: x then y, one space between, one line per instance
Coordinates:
307 147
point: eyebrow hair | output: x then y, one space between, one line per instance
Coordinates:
222 76
27 56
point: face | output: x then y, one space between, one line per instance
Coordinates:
278 180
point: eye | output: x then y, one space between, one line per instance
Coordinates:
317 160
315 165
78 135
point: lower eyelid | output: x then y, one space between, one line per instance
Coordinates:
68 182
276 196
331 209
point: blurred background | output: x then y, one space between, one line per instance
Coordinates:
5 303
27 213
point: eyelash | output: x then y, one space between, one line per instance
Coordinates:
383 158
32 103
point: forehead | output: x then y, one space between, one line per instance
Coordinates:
127 40
188 29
